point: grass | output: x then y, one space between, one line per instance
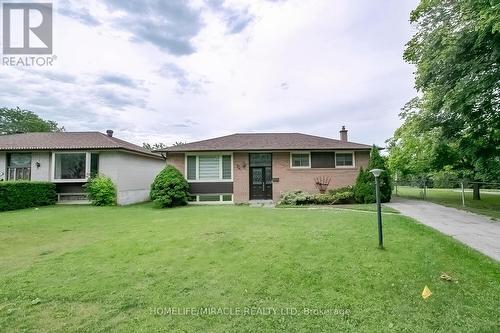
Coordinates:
489 204
121 268
362 207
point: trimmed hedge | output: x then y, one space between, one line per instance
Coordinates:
170 188
25 194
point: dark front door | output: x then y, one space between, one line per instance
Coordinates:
261 183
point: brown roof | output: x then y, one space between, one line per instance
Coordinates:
68 141
266 141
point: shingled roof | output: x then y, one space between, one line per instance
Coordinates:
68 141
266 141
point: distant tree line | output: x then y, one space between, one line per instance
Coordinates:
16 120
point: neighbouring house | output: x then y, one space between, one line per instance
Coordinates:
260 166
69 159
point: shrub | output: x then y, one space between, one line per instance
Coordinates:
323 199
346 197
364 190
341 189
169 188
101 191
294 198
24 194
333 197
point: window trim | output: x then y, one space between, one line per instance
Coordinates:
219 202
80 180
301 153
352 152
197 177
8 166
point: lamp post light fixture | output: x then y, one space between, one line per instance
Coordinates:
376 173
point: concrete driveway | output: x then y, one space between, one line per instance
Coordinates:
475 230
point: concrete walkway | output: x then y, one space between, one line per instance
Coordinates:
477 231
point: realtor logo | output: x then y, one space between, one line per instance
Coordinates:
27 28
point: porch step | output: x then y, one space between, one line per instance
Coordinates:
74 202
72 199
262 203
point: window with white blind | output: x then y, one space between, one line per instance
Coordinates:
207 167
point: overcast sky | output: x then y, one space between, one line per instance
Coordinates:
166 71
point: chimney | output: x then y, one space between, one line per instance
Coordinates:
343 134
109 133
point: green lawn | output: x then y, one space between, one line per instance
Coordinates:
489 204
122 268
362 207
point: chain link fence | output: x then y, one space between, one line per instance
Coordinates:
455 193
461 191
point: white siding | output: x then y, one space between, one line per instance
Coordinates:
37 173
132 174
41 173
3 165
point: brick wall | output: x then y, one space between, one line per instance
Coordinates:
177 160
241 177
303 179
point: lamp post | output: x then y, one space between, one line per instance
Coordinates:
376 173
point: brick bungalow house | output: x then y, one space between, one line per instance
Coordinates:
68 159
259 166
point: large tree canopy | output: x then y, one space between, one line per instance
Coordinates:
455 121
22 121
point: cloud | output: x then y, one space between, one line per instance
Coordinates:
185 82
236 19
58 76
117 79
169 25
81 14
185 124
118 100
209 68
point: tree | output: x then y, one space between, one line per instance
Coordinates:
457 58
417 154
160 145
23 121
154 146
364 190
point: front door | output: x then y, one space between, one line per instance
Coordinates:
261 183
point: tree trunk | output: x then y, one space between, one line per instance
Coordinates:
475 192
